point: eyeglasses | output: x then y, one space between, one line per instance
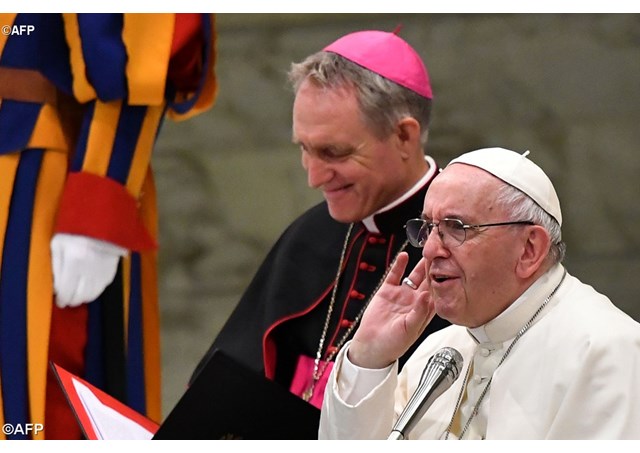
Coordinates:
453 232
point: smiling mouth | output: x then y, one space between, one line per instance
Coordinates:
337 189
336 193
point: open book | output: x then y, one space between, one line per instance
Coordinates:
100 415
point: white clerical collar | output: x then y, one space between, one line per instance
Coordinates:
507 324
370 223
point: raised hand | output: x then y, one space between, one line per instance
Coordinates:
395 317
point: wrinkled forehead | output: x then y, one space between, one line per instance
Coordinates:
461 190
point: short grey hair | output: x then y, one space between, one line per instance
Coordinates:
522 207
383 102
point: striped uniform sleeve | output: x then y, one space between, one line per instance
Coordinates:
128 69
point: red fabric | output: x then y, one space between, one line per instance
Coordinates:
269 353
303 378
186 52
101 208
68 340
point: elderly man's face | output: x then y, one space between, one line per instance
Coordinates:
474 282
357 173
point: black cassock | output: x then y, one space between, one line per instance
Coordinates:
282 313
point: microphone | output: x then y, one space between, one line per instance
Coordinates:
441 371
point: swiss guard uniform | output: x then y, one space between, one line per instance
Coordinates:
82 99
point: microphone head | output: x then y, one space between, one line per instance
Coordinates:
446 361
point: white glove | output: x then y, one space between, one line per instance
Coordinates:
82 267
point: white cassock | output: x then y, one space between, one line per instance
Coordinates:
574 374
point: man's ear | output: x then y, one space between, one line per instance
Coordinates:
535 251
408 136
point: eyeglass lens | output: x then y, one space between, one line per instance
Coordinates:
452 231
416 232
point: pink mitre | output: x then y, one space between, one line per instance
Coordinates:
385 54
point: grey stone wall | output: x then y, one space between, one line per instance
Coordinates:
566 87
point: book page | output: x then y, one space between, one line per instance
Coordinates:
108 423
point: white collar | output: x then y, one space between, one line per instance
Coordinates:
370 223
507 324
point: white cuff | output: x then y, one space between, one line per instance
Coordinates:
355 382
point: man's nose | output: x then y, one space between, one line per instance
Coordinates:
318 171
434 246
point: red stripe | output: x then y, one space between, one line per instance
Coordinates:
185 66
269 353
66 348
